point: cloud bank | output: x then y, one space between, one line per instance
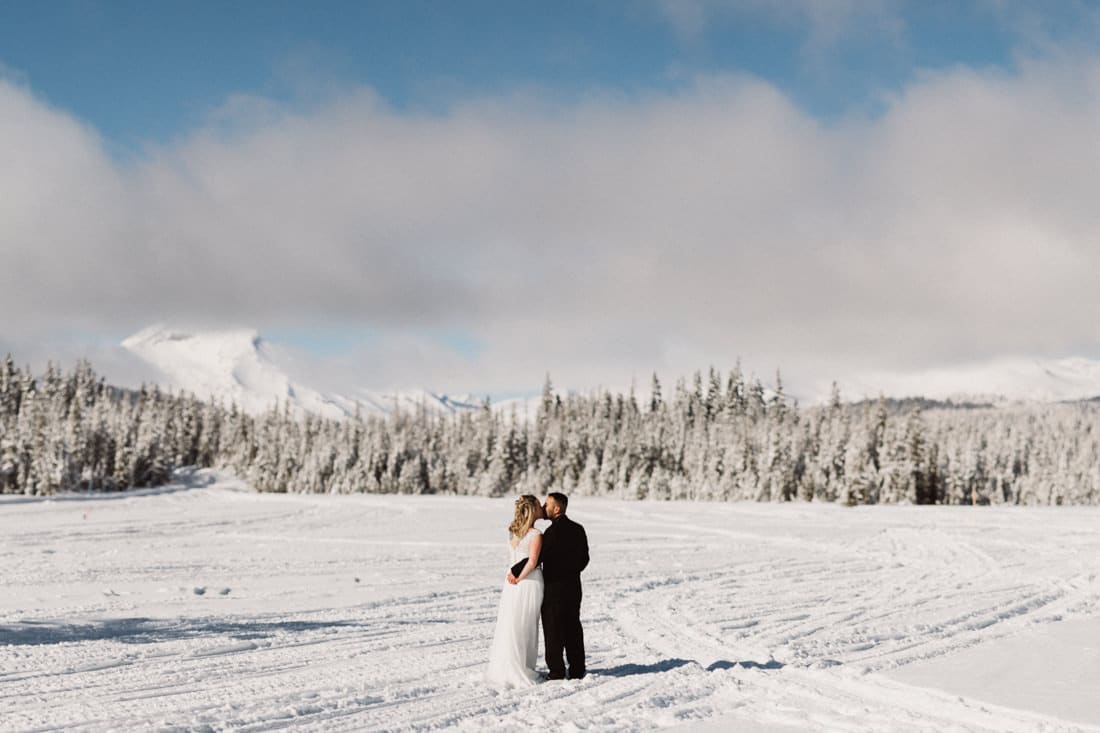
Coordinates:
596 240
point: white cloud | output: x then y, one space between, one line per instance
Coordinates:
596 240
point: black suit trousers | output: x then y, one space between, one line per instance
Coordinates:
562 632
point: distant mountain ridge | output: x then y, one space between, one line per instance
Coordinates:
238 366
995 382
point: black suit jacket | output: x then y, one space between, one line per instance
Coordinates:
564 555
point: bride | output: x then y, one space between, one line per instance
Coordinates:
516 640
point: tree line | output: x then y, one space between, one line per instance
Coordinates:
715 437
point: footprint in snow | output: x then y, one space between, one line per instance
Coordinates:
200 590
224 591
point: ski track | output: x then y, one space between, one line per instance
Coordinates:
376 612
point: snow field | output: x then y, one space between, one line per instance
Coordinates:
375 612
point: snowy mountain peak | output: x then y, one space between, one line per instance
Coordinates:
227 344
231 365
236 365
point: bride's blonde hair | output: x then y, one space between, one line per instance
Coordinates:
527 508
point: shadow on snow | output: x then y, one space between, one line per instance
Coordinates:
151 631
665 665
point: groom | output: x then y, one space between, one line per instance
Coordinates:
564 555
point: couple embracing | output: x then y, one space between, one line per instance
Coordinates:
545 580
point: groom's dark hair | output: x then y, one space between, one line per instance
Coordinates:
561 499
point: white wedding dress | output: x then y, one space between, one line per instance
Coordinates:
516 640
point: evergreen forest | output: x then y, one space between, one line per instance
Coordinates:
716 436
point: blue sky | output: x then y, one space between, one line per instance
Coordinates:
466 195
144 72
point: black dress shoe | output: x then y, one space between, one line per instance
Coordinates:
555 677
577 675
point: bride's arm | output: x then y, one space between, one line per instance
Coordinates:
532 558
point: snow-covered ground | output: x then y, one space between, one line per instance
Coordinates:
218 608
